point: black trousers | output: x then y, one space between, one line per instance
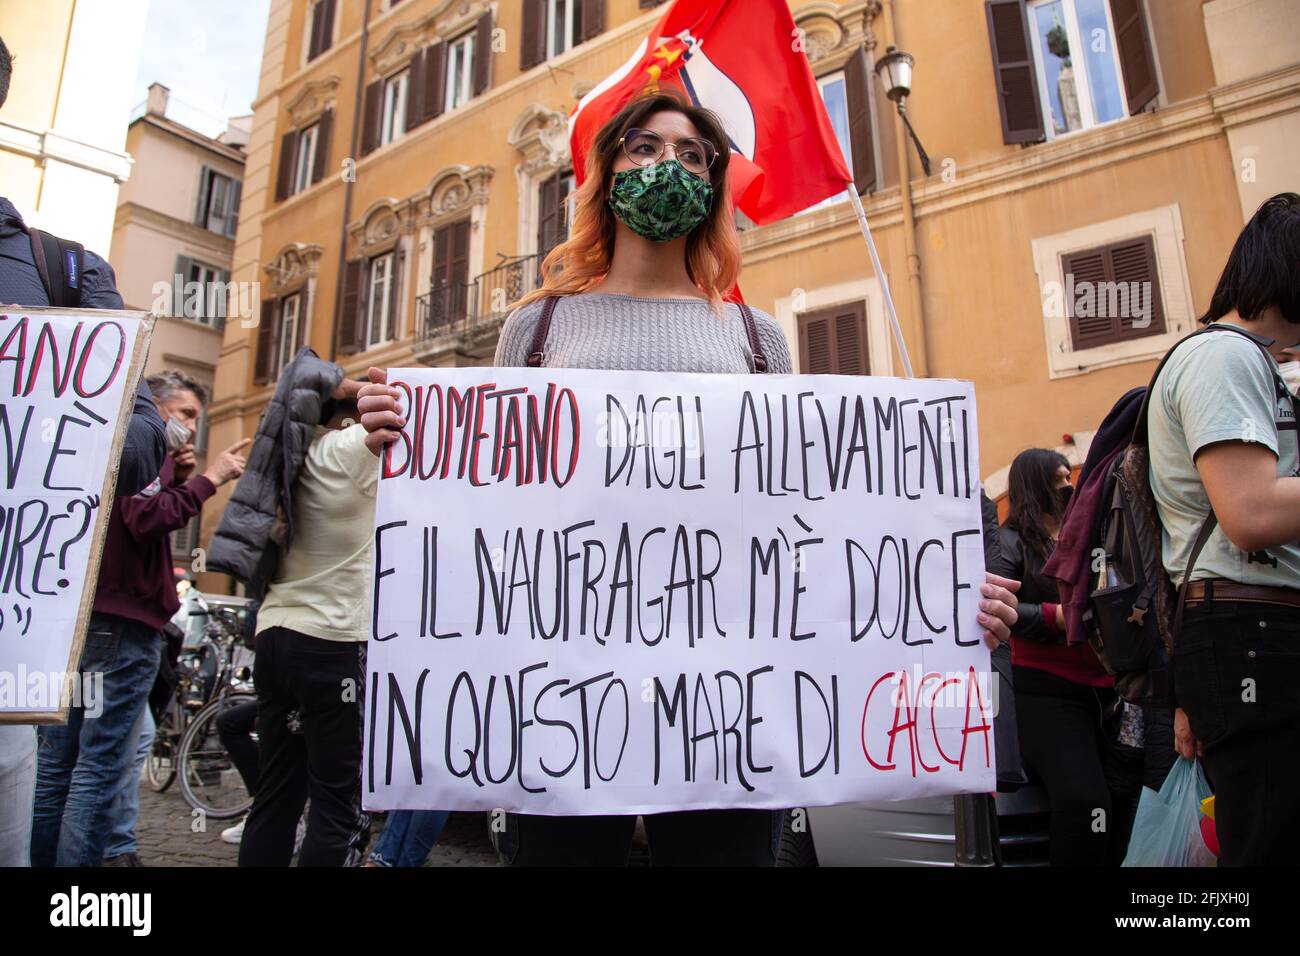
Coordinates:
1092 784
235 727
1237 675
687 838
309 728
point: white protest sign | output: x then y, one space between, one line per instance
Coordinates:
625 592
67 382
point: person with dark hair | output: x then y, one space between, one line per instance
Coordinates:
85 764
1224 472
1063 696
639 285
6 71
311 654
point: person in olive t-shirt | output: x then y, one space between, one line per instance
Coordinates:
1222 434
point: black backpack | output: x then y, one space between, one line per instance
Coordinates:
1134 613
59 262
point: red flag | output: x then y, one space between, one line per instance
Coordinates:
739 59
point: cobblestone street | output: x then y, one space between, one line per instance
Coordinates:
169 835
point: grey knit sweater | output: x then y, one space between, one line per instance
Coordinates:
614 331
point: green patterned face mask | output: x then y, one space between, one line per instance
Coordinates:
660 202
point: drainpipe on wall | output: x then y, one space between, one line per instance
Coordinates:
919 353
348 184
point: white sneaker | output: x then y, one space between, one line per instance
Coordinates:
236 833
298 836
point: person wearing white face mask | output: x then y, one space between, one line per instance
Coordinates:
81 766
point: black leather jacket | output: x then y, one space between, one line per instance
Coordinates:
1018 562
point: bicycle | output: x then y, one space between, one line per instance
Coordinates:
208 777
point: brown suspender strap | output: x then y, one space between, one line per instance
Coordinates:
751 330
538 351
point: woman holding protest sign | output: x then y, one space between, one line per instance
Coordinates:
640 285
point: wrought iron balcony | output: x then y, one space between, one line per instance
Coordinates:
466 318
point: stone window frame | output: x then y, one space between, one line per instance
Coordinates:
1165 225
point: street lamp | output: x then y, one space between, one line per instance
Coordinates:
895 72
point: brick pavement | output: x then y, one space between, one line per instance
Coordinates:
170 834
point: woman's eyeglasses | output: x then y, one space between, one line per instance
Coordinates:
645 148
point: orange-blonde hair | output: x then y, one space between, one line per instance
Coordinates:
712 249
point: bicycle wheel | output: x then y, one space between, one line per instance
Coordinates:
209 780
160 767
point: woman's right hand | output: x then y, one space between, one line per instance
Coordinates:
380 412
1185 741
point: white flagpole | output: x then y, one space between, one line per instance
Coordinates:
880 274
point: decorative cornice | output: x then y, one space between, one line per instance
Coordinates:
403 41
542 136
313 99
454 190
381 225
293 266
831 31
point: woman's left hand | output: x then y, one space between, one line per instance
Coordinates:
998 608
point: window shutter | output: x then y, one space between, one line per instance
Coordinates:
483 54
460 252
548 213
435 73
815 351
850 342
1094 330
1133 41
1134 262
857 84
1013 71
349 313
395 292
288 152
201 202
532 46
366 290
304 317
324 130
441 257
1131 262
232 216
178 296
451 269
317 21
834 341
593 18
415 89
265 344
322 28
219 320
373 116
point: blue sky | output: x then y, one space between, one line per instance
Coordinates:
208 53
